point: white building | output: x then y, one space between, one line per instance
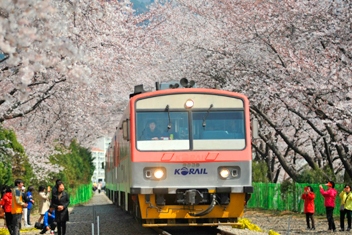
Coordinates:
98 154
103 143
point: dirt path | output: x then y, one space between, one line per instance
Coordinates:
288 221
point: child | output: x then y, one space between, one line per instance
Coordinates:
309 209
329 196
49 221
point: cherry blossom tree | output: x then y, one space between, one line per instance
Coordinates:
70 65
70 80
292 58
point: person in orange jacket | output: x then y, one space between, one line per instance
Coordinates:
309 208
17 206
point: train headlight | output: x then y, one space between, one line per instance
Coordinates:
155 173
189 103
224 173
229 172
159 174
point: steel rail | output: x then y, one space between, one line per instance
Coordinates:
160 231
223 232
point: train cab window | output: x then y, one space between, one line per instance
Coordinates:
221 130
158 131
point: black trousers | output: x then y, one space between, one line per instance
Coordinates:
310 216
342 218
330 217
16 223
8 217
28 216
61 228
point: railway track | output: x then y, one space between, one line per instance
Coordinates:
223 232
161 231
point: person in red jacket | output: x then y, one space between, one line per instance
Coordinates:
6 204
329 196
309 208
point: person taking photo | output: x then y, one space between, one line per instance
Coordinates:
329 203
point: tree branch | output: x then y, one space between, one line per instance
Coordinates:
309 160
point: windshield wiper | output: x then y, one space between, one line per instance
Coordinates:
168 112
205 118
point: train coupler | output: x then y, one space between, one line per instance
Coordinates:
208 210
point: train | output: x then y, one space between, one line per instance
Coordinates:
181 156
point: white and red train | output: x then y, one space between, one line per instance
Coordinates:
182 157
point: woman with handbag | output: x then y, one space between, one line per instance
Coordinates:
345 208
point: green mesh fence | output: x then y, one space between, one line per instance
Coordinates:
82 194
269 196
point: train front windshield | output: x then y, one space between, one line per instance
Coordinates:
171 131
218 130
156 131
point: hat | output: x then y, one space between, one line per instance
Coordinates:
329 184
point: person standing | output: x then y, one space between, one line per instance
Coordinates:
309 208
346 208
30 202
60 201
99 187
2 209
44 202
17 207
329 196
25 210
7 203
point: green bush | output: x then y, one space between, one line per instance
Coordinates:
12 158
310 176
6 174
260 171
77 163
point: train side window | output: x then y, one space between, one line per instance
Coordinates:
126 131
